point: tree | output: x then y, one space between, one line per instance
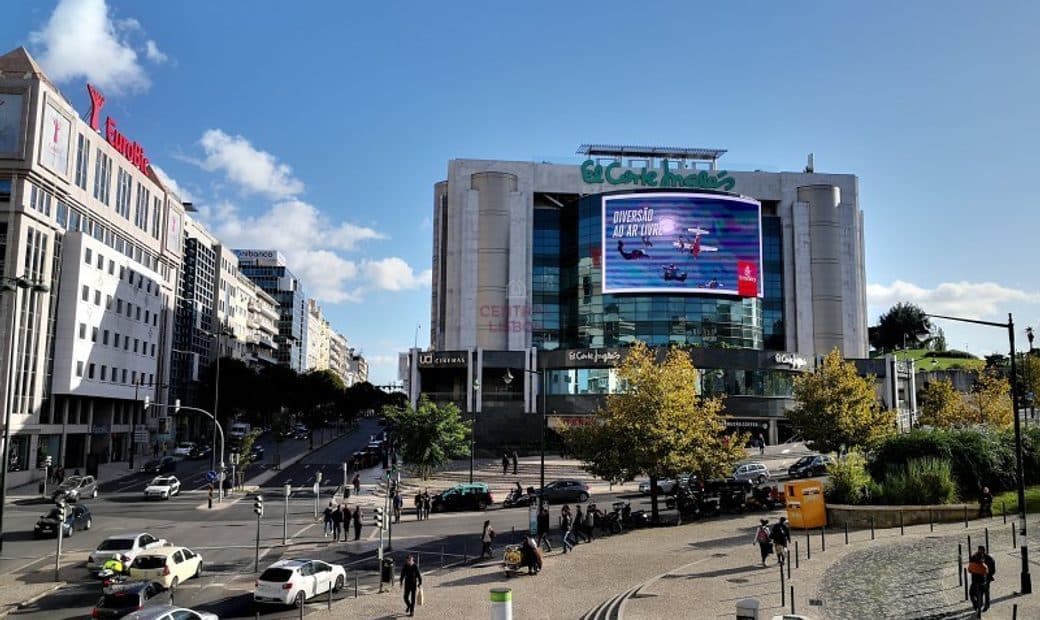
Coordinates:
903 326
837 407
990 400
941 404
430 434
1030 377
658 426
938 340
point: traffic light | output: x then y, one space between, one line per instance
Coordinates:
177 406
47 461
62 512
147 402
379 520
258 506
318 477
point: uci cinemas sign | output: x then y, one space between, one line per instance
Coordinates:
595 174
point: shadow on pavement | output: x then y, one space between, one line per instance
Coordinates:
723 572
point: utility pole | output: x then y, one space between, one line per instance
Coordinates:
62 514
258 508
285 515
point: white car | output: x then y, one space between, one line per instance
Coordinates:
126 547
162 487
168 566
292 582
184 448
664 486
170 612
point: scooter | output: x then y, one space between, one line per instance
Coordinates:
515 499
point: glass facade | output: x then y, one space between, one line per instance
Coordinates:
713 382
569 309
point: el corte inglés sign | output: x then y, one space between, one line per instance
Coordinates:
614 174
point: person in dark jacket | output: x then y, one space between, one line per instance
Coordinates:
515 462
327 518
780 534
505 463
337 522
985 503
347 517
543 528
357 523
579 525
991 566
411 579
566 523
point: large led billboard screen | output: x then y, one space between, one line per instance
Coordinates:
682 243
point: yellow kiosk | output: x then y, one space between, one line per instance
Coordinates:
805 506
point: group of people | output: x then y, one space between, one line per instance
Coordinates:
579 524
773 539
506 459
338 519
422 505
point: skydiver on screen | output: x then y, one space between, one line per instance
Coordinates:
633 255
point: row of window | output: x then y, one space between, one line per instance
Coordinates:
143 282
124 188
113 374
711 382
150 318
140 346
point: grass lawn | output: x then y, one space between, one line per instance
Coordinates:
1011 498
939 363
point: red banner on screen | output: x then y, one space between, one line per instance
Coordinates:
747 279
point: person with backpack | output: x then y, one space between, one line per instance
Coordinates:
566 524
781 537
979 571
327 514
578 529
762 539
486 537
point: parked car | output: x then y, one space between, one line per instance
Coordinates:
292 582
170 612
257 453
124 546
76 518
200 451
75 487
755 472
665 486
184 448
475 496
120 600
162 487
810 465
562 491
167 566
163 465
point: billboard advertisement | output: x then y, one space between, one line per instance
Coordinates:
682 243
55 135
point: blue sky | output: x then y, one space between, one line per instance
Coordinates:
321 127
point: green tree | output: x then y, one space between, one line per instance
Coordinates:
942 405
657 426
903 326
990 400
431 434
1030 377
938 340
837 407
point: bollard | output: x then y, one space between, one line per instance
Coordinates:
355 584
173 592
965 515
960 563
808 546
823 539
501 604
964 575
987 540
872 527
513 533
901 530
442 556
1003 511
846 532
969 547
301 611
788 562
1014 537
792 601
783 590
1014 612
330 597
931 523
796 554
418 555
258 615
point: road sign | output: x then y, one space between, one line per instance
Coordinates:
141 435
211 476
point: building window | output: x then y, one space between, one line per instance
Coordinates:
104 338
102 177
100 261
133 376
79 369
82 331
115 340
111 267
108 302
88 256
82 161
90 371
138 317
141 208
124 187
136 342
104 372
129 310
119 306
85 293
155 217
97 298
146 316
93 334
124 375
153 349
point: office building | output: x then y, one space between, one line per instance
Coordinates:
268 269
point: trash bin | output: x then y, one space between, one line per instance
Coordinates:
747 609
805 506
387 574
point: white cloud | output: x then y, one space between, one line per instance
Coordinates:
173 185
154 54
81 40
290 226
394 274
383 360
967 299
252 170
325 275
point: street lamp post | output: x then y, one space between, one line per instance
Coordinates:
11 285
543 388
177 408
473 429
1026 579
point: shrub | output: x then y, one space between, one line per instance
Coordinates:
954 353
922 481
849 483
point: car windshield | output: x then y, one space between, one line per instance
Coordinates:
151 463
276 575
53 514
162 482
120 600
185 444
71 482
805 460
116 544
149 562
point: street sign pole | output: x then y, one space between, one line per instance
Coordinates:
317 493
61 530
285 515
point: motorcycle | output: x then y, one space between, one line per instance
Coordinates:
629 518
516 499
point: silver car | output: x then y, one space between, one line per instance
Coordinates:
75 488
170 612
755 472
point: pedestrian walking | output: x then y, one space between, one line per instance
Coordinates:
505 463
411 579
590 520
762 539
565 528
780 534
337 522
979 570
418 506
761 444
357 483
543 529
985 503
357 523
991 571
486 537
426 504
327 518
515 462
579 525
347 518
530 556
398 505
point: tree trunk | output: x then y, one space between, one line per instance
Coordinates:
654 514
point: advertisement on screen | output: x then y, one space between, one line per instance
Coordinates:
682 243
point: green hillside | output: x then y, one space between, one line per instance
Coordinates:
931 360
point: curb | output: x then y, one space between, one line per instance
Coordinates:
30 600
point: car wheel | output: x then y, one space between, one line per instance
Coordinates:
198 570
481 504
69 533
88 524
338 585
583 497
300 599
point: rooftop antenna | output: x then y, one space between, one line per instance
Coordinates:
810 166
